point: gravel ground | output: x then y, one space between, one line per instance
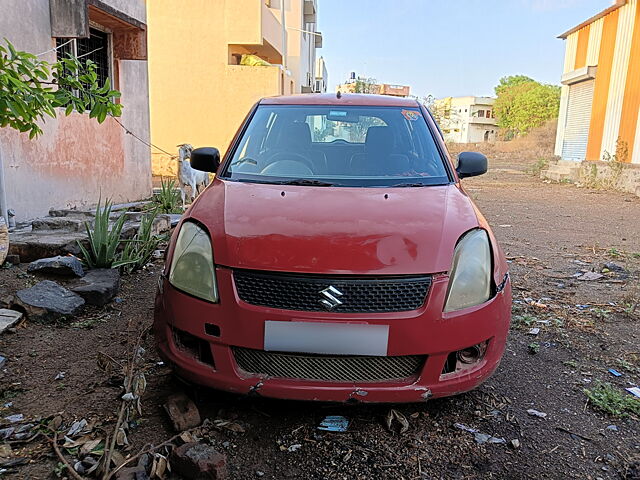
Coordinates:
549 232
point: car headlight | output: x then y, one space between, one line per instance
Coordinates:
192 269
470 277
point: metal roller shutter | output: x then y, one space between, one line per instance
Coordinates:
576 132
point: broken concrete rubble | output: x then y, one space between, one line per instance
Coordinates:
58 265
48 299
98 287
199 461
182 412
9 318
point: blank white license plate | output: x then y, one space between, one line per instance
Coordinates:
326 338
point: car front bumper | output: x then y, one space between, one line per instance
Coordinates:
426 331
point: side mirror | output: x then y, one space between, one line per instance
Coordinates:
471 164
205 159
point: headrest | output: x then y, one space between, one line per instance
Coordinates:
379 139
298 135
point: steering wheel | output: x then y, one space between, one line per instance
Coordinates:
426 165
287 168
289 157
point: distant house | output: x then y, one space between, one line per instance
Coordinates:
350 86
600 103
76 160
466 119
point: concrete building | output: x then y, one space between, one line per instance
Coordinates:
600 103
76 160
200 91
466 119
351 85
322 76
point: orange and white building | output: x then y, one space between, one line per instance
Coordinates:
600 103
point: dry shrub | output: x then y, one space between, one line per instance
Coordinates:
527 149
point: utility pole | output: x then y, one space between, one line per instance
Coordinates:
284 36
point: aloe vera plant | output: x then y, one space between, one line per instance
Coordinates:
138 251
168 199
103 240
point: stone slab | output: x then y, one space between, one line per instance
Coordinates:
49 299
98 287
9 318
59 265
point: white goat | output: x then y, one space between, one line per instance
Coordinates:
187 176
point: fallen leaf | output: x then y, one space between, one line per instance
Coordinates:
400 418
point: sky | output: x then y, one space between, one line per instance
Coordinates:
448 47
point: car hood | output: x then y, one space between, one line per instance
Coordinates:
334 230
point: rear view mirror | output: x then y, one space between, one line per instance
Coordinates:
471 164
205 159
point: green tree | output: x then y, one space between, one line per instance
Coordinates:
511 81
523 104
31 89
366 85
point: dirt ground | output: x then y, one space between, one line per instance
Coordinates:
549 233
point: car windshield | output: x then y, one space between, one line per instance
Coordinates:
330 145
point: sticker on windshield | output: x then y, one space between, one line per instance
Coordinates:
410 115
334 113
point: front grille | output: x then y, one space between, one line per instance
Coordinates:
328 367
359 295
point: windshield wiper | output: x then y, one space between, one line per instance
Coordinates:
305 182
400 185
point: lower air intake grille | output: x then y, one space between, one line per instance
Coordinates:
326 367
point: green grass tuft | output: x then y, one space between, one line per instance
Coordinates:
612 400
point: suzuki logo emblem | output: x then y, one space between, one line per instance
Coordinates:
329 297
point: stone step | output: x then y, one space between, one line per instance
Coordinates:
69 224
115 208
32 245
556 176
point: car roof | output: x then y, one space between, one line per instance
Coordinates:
357 99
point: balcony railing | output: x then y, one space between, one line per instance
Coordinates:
253 83
251 22
483 120
310 11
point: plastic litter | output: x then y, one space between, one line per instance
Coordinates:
77 427
536 413
613 428
334 423
294 447
480 437
534 331
590 276
614 372
18 417
634 391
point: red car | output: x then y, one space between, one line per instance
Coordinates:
335 257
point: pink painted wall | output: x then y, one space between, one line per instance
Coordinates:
76 160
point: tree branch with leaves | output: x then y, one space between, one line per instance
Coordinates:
32 89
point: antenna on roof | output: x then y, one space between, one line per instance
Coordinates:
339 94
